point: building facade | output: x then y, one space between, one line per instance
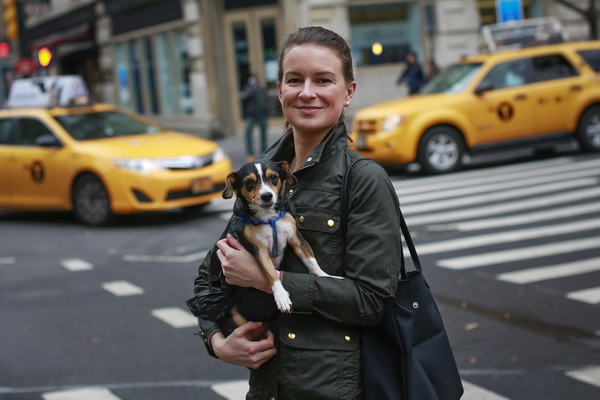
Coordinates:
184 63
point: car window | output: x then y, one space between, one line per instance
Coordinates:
5 130
553 66
592 57
27 130
99 125
451 80
508 74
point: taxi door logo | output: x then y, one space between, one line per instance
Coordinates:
505 111
37 171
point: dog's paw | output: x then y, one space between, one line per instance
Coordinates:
282 298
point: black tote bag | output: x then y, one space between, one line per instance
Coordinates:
407 357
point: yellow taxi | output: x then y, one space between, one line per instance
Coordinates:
534 97
99 160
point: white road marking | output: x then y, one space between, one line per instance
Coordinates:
505 207
176 317
122 288
541 216
93 393
494 197
7 260
551 272
590 375
234 390
75 264
509 236
523 253
166 259
474 392
590 296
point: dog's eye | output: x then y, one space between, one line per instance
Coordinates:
249 185
274 179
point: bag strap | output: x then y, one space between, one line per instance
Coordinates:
345 191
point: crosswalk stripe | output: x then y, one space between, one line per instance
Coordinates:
508 236
92 393
519 254
474 392
75 264
590 296
7 260
496 196
490 185
122 288
590 375
551 272
165 258
540 216
176 317
234 390
505 207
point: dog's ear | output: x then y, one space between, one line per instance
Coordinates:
289 178
229 185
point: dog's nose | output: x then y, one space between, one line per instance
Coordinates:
266 197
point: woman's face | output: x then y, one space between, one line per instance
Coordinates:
313 91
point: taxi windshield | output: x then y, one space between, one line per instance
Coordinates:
101 125
451 80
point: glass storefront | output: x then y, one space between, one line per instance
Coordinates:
153 74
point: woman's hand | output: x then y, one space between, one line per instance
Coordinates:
239 266
239 350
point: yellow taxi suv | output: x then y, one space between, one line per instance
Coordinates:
99 161
536 98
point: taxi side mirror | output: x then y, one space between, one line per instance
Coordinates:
483 87
48 140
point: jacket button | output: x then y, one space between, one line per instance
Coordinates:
348 338
291 336
301 219
331 223
309 159
291 191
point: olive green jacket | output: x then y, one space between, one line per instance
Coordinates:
318 343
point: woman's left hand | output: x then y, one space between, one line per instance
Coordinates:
239 266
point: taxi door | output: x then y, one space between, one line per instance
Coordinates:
5 150
556 89
503 109
36 176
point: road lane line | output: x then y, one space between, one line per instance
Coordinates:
474 392
122 288
176 317
590 375
510 207
165 259
503 182
92 393
234 390
495 197
551 272
523 253
75 264
7 260
509 236
590 296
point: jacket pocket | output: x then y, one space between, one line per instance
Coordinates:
321 228
319 359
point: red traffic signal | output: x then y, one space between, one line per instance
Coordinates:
4 49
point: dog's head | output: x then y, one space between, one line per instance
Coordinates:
259 184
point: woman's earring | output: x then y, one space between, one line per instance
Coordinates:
347 103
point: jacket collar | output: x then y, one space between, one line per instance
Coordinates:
335 141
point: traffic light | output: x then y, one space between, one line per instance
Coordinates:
44 56
4 49
11 19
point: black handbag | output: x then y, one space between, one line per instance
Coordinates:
407 357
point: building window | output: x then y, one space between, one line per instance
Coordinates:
487 10
153 73
383 33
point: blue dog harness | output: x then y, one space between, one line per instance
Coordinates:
274 250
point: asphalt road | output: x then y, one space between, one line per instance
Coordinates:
510 251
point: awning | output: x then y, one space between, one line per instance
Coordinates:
75 34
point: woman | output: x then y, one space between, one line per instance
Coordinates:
314 352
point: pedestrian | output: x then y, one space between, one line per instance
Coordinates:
412 75
314 351
256 112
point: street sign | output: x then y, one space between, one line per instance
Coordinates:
509 10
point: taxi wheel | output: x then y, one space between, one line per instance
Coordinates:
91 204
588 132
441 150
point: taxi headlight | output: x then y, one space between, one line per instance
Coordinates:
141 165
219 155
391 122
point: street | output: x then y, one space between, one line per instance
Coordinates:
510 251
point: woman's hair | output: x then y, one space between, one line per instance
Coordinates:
321 37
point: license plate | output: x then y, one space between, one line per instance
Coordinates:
199 185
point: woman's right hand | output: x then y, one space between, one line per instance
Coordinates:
239 350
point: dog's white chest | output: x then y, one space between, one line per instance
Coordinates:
267 236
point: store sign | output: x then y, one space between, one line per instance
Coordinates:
509 10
